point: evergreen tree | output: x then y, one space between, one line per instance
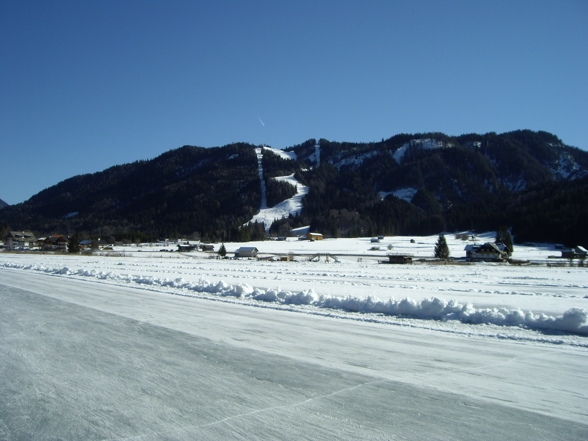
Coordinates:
334 229
441 248
222 251
245 233
74 244
4 231
503 236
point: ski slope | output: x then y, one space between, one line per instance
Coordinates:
267 215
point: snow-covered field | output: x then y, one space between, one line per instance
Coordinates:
543 301
513 336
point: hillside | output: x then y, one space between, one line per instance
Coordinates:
420 184
407 184
179 192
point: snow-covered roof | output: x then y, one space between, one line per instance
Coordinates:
247 250
301 230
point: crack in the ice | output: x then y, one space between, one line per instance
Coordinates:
301 403
253 412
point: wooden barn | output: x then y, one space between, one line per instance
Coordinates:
246 252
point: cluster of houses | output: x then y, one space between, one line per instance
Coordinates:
497 252
184 248
488 252
26 240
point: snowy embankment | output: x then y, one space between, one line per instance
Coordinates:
574 320
483 299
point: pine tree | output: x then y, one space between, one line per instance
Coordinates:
4 230
503 236
441 248
334 228
245 233
73 245
222 251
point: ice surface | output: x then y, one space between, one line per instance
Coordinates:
140 343
87 359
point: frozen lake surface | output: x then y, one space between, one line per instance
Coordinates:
156 345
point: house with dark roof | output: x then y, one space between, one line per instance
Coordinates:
578 252
488 252
55 242
20 240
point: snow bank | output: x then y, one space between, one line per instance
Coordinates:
574 320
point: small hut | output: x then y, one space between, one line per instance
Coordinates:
399 259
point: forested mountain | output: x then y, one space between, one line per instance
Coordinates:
407 184
422 184
181 192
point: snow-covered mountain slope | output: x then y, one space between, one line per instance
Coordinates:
263 204
418 144
281 153
267 215
566 166
354 161
406 194
293 205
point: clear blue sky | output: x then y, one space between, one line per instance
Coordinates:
85 85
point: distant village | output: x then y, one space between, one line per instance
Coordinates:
26 241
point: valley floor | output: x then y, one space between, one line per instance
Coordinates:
84 360
159 345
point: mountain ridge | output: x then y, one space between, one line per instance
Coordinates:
472 181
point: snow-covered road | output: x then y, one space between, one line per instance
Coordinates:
88 359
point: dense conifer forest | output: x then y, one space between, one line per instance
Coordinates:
407 184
